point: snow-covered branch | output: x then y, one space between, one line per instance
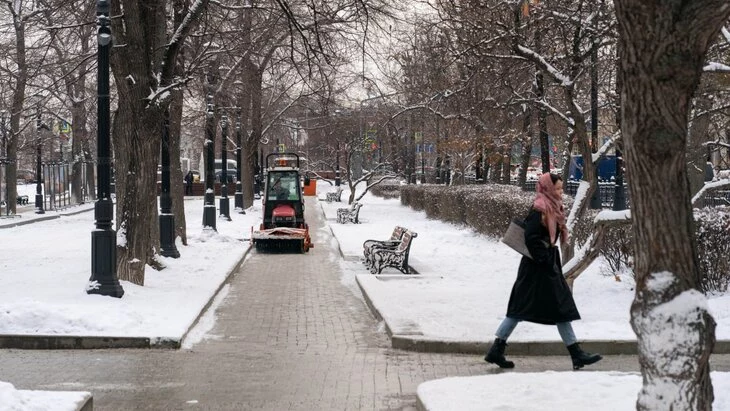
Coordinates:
538 59
725 182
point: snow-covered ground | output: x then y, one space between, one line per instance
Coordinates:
45 268
12 399
460 295
566 391
465 281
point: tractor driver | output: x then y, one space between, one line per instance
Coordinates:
280 192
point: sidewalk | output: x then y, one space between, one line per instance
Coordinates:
460 295
45 266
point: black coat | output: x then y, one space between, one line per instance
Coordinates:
540 293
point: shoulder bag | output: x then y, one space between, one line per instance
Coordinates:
515 237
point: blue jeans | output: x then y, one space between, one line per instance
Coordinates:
508 325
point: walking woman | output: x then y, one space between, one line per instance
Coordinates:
540 293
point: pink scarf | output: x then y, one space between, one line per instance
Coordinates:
551 207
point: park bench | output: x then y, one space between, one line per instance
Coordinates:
345 215
397 257
334 195
369 245
22 200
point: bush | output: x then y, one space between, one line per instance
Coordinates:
386 189
712 231
489 208
412 196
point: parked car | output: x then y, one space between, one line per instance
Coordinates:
230 175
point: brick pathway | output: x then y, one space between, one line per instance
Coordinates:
290 336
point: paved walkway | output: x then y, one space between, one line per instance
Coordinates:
290 336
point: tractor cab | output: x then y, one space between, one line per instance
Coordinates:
283 202
283 206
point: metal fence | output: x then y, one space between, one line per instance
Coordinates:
715 198
56 186
606 191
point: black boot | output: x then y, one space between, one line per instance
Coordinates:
581 358
495 355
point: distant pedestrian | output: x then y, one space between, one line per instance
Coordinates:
189 183
540 293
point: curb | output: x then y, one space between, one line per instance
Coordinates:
65 342
416 342
44 218
88 404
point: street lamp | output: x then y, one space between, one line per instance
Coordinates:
238 197
619 194
4 162
166 217
103 279
4 149
38 167
423 161
338 179
209 198
224 203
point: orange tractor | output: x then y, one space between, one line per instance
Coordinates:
283 227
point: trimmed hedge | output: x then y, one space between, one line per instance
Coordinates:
386 190
489 209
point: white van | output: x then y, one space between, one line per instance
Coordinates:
230 169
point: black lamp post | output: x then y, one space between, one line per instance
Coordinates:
4 152
438 152
224 203
238 197
103 239
166 218
209 198
38 167
423 163
259 180
337 165
619 195
4 161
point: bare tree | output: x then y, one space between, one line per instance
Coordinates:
17 75
143 63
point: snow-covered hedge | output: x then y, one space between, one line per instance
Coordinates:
386 190
489 208
712 230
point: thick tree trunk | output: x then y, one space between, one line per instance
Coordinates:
177 188
80 134
136 137
21 81
662 48
251 147
136 144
